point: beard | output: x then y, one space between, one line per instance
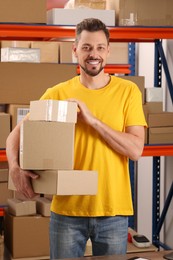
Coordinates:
93 71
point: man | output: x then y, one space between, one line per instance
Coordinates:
109 131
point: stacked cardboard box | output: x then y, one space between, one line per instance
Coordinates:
47 147
27 236
160 123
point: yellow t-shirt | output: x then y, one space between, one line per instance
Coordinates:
118 104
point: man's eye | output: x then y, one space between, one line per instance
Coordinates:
86 48
101 48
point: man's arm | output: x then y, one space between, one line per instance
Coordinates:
129 143
21 178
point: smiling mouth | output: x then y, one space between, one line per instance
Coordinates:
93 62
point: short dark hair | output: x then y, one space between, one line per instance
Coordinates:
91 25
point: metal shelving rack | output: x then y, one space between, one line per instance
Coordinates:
117 34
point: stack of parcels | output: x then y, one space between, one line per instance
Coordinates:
26 228
47 148
160 123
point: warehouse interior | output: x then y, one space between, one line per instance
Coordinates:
36 39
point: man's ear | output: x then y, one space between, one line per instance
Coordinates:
74 49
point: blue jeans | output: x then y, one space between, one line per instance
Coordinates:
69 235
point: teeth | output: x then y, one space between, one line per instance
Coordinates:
93 62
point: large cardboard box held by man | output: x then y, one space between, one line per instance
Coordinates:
63 182
46 145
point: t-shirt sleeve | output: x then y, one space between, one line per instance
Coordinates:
134 111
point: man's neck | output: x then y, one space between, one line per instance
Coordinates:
96 82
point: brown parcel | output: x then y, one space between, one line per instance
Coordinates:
62 182
53 110
18 207
23 11
46 145
27 236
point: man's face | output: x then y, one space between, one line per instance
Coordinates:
91 51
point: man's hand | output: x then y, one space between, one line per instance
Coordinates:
22 181
84 114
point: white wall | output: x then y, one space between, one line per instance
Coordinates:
145 67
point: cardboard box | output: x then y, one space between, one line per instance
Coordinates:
146 13
17 113
139 81
16 54
27 236
5 193
53 110
18 207
19 44
4 129
95 4
151 108
119 53
30 79
163 119
46 145
23 11
43 206
161 135
63 182
154 94
65 53
61 16
49 51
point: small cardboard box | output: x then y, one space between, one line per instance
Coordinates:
62 16
62 182
16 54
46 145
161 135
43 206
163 119
18 207
4 129
20 44
49 51
27 236
17 113
53 110
23 11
